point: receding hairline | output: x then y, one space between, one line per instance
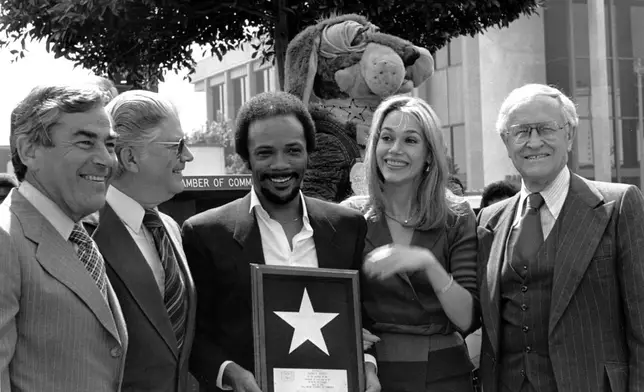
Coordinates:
529 99
288 116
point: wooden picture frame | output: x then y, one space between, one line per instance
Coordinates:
284 357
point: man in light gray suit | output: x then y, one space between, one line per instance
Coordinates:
561 264
61 326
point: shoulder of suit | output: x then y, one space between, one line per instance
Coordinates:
358 203
495 209
332 209
609 188
216 216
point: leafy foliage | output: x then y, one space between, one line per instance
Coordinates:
137 40
235 165
218 133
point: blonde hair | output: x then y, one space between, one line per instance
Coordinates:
434 200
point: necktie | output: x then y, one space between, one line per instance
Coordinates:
529 234
90 257
174 297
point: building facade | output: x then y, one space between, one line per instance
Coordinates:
592 49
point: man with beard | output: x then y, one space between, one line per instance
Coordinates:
275 225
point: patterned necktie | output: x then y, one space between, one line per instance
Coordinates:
174 297
529 233
90 257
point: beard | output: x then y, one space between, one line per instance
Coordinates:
280 200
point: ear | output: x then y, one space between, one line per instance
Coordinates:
28 152
129 159
571 133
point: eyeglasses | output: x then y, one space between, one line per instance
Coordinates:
180 145
521 133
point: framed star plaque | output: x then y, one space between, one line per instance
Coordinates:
307 329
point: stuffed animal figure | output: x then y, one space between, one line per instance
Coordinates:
343 67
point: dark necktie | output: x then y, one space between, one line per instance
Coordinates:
529 234
174 296
90 257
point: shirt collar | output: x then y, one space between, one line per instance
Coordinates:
126 208
554 195
255 203
50 210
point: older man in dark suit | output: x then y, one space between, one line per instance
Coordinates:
142 246
562 264
274 224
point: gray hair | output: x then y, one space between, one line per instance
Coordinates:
34 116
136 115
529 91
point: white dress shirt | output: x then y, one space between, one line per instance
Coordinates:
61 222
277 251
554 196
131 213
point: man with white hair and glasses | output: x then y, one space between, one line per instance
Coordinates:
561 264
142 247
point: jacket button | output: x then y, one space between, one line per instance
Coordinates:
524 307
528 349
525 328
524 288
115 352
522 372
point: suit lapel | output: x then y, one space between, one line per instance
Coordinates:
328 253
583 219
58 258
122 254
247 232
496 233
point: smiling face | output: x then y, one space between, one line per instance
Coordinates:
539 160
160 167
73 173
277 157
401 150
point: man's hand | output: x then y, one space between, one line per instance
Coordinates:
240 379
372 384
368 339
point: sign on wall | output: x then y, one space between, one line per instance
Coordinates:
221 183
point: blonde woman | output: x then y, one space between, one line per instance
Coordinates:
419 273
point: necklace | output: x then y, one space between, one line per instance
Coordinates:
399 221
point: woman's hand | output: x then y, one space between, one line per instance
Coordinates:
391 259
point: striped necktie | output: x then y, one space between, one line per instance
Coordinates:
174 297
90 257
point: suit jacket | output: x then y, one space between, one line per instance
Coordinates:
57 332
153 362
596 322
221 244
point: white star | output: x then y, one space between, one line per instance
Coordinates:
307 324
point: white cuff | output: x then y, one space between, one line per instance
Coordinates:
220 377
371 359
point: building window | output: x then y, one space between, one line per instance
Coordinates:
239 94
217 92
260 86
